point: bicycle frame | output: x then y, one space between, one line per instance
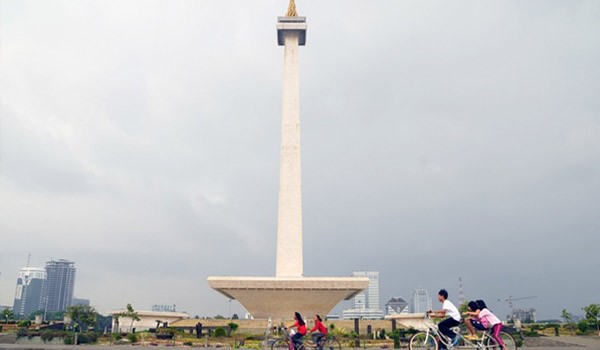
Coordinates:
433 330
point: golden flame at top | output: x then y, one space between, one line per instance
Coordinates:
291 12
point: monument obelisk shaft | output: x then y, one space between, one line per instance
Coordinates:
289 262
289 290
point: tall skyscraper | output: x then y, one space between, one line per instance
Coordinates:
420 301
365 304
59 286
28 296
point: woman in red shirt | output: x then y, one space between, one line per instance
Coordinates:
321 331
300 326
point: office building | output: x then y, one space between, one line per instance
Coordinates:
523 315
28 294
420 300
365 305
59 286
396 306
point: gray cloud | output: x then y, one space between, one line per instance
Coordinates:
439 140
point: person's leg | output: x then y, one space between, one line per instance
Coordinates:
444 328
317 339
469 324
297 340
496 334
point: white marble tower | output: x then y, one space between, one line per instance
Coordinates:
289 290
291 33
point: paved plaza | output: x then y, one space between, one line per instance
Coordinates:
560 343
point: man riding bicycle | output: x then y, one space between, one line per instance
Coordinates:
448 309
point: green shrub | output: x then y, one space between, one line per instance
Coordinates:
219 332
132 337
583 327
21 332
69 339
117 336
188 343
233 326
47 336
24 323
87 338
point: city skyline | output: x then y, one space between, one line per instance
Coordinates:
141 141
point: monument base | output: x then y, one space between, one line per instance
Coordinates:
279 297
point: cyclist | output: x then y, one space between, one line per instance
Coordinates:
472 321
491 322
300 326
318 331
448 309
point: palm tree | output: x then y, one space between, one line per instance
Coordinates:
131 313
7 315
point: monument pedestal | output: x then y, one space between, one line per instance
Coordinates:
279 297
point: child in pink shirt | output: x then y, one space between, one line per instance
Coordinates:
490 321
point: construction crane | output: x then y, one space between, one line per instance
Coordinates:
510 300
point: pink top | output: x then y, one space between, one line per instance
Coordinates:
488 319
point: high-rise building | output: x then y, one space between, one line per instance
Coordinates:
28 295
524 315
365 304
420 301
59 286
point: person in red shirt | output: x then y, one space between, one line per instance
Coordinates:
300 326
318 331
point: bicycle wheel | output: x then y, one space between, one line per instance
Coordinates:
507 339
332 344
422 340
281 344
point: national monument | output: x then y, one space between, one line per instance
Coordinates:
278 297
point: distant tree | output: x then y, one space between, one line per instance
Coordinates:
7 315
464 307
235 317
219 317
82 316
132 314
592 312
55 316
568 318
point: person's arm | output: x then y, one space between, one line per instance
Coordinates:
437 313
471 313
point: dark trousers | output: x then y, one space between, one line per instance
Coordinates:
444 328
316 336
297 340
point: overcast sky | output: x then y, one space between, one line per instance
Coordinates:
440 140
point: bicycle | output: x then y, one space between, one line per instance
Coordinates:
327 342
427 339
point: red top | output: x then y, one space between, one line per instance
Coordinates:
301 328
320 327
